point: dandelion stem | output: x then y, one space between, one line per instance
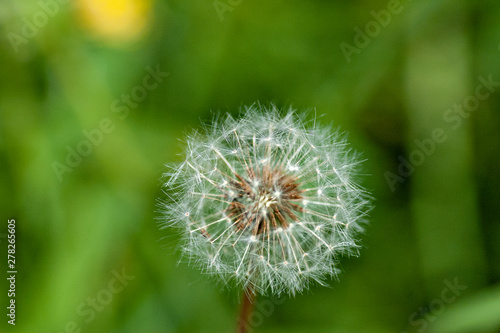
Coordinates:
246 311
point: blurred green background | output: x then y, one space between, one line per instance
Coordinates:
85 129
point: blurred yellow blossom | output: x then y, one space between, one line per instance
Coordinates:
115 21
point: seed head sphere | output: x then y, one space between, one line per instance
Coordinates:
267 201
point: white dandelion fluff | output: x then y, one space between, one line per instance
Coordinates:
267 201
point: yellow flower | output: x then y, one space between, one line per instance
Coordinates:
115 21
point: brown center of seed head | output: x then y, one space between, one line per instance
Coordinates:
265 201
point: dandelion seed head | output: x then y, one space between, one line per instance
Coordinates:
261 199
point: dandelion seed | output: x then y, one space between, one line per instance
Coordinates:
263 196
